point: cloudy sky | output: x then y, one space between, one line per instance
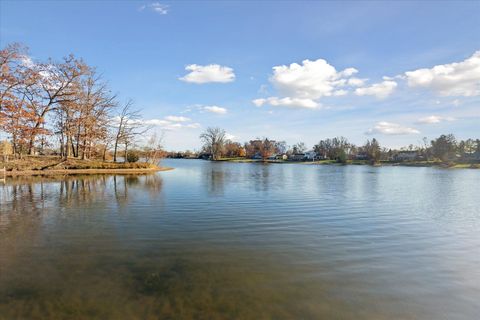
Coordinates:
294 71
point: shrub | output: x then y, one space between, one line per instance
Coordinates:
132 156
342 157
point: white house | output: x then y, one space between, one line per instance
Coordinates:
297 157
310 155
406 156
280 157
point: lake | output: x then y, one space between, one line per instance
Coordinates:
243 241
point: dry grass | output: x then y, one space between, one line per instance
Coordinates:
32 165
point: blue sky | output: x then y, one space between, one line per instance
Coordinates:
294 71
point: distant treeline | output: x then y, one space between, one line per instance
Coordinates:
63 107
444 148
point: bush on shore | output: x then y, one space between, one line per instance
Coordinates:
132 156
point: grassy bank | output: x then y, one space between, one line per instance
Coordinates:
50 165
321 162
438 164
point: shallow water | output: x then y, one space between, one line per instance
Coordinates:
243 241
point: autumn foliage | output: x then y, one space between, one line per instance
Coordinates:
63 103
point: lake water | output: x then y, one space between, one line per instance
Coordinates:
243 241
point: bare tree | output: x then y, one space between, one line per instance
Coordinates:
82 121
214 140
153 149
96 102
337 148
373 150
299 148
129 126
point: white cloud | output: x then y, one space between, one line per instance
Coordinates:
356 82
159 8
215 109
193 125
348 72
202 108
340 92
26 61
434 119
309 80
229 136
454 79
380 90
389 128
156 122
287 102
48 72
171 123
392 78
177 118
259 102
302 85
209 73
156 7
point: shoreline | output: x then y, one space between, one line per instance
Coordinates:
440 165
54 165
81 171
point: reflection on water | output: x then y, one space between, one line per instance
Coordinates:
242 241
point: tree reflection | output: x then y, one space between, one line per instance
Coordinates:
28 205
215 180
261 177
37 195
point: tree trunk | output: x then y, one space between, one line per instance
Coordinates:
84 151
14 145
117 137
31 148
67 148
115 151
74 150
61 145
78 140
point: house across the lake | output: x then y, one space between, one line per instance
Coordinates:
305 156
361 156
406 156
296 157
310 155
278 157
475 156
